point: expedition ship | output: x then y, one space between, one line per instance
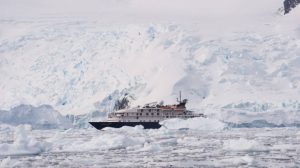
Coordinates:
148 116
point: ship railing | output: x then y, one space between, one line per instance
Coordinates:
156 116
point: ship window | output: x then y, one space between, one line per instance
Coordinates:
140 113
157 113
149 110
167 116
152 113
157 110
137 117
146 113
142 110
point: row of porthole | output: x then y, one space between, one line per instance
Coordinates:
146 114
149 110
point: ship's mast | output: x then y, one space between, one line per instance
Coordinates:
179 101
179 96
183 102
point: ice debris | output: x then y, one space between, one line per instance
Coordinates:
23 144
194 123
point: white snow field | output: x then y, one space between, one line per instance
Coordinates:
65 62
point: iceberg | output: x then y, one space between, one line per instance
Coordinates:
41 117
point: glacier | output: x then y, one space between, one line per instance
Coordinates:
79 62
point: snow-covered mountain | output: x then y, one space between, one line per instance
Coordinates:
79 60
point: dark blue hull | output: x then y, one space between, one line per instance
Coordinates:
146 125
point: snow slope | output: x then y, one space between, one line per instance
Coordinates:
76 59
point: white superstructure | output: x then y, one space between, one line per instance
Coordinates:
153 112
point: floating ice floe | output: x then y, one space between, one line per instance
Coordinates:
23 144
107 141
194 123
8 162
243 145
244 160
136 129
